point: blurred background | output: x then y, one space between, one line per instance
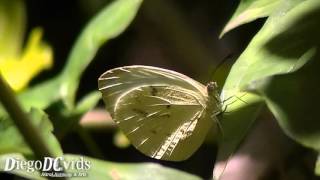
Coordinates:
173 34
178 35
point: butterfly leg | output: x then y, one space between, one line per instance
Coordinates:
214 117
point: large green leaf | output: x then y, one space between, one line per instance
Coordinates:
109 170
262 58
290 96
11 140
250 10
258 60
235 123
108 24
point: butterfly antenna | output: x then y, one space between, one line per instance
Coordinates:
225 59
237 98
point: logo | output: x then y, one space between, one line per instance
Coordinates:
51 167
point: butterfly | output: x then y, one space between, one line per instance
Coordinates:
165 115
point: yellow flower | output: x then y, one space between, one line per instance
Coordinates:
18 69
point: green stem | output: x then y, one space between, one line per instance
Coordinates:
22 121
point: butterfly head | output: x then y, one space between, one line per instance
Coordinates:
212 87
213 90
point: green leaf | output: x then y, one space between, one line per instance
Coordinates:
250 10
288 96
41 120
235 123
286 31
11 140
108 24
87 102
20 172
12 18
109 170
42 95
259 60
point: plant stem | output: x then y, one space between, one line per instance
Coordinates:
22 121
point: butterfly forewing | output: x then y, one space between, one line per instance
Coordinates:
159 119
115 82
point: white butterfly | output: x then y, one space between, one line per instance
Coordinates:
165 115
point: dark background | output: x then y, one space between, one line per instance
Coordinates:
174 34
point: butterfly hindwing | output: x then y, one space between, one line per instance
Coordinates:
160 120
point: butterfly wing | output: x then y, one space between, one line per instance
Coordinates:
163 113
163 122
115 82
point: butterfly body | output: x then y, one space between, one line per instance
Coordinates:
165 115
